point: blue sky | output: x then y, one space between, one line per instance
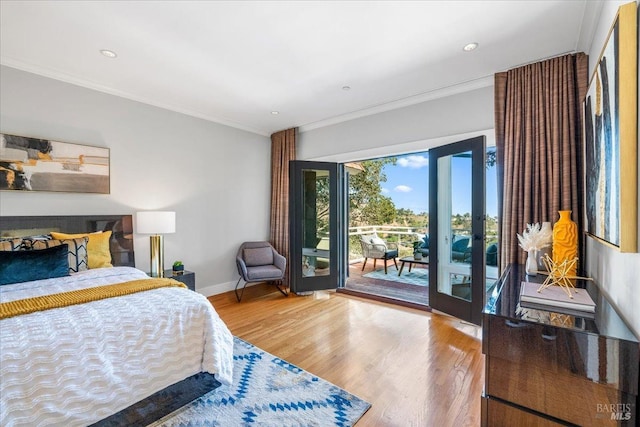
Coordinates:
408 184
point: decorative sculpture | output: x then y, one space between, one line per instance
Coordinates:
559 274
532 240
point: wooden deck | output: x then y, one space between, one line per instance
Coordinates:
389 290
392 291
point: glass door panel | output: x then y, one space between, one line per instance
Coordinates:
456 207
455 244
316 223
315 243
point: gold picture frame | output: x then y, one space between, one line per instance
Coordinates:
35 164
610 137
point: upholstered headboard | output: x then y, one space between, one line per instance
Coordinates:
121 226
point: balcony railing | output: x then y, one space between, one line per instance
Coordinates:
414 232
402 236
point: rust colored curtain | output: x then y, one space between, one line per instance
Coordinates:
538 126
283 149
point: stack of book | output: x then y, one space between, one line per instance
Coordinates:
555 298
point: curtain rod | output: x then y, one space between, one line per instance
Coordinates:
570 52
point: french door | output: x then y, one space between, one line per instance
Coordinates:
457 229
317 226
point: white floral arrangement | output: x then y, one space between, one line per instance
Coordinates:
535 237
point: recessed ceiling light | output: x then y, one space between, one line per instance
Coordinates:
108 53
470 47
346 87
275 113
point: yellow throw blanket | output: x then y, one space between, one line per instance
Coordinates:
81 296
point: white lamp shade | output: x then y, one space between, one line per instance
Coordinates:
155 222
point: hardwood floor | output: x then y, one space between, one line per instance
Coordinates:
416 368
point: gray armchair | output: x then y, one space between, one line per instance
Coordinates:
376 248
259 262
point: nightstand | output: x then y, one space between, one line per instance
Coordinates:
188 278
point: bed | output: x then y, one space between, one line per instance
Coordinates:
80 364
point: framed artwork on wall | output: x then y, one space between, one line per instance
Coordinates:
35 164
610 137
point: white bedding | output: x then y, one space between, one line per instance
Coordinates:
74 366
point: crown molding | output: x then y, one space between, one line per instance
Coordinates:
74 80
404 102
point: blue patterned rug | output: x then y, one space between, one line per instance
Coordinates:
269 391
417 276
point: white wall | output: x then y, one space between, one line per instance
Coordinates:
413 128
617 274
216 178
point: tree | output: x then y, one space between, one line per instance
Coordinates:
378 211
321 201
491 158
404 216
367 204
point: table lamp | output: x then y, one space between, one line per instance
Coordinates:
156 223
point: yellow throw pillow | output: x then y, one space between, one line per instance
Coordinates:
99 255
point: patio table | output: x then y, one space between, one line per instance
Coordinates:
411 260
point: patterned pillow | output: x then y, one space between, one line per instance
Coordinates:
98 247
10 244
27 241
77 251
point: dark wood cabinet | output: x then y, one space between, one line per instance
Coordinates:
187 277
544 367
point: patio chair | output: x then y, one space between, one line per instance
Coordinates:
376 248
259 262
423 246
460 249
492 255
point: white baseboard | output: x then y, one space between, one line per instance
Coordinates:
220 288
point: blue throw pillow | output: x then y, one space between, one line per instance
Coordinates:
460 245
25 266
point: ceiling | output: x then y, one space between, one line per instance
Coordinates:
237 62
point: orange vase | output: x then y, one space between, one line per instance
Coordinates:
565 241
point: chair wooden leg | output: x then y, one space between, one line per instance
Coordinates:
364 263
385 265
395 263
374 263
